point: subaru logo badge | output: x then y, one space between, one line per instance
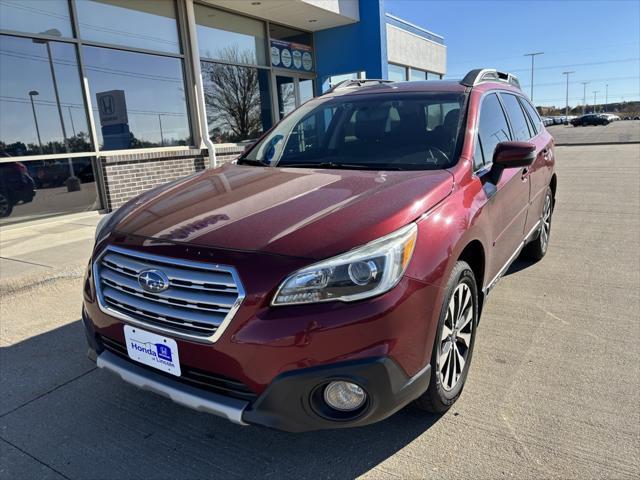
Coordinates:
153 281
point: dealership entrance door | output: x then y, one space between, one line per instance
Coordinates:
291 91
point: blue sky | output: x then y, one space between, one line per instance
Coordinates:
599 40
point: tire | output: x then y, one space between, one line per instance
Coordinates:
5 206
536 249
445 387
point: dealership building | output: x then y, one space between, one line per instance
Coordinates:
101 100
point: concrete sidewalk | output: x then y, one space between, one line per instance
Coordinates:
42 250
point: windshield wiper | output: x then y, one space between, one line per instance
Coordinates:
334 165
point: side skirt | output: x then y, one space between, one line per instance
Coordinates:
512 258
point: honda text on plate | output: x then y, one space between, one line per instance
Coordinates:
337 270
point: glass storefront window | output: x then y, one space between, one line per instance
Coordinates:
40 188
285 87
48 17
280 32
229 37
40 98
417 75
306 90
237 101
138 99
397 73
150 25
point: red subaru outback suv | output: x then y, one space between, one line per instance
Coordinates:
335 272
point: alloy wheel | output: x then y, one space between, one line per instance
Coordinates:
546 223
455 339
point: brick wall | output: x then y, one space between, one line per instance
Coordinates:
131 174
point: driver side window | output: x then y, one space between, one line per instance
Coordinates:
493 129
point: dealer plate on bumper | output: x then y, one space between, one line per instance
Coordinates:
152 349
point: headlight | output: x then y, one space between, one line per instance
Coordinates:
364 272
100 229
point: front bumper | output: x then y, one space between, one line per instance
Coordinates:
288 402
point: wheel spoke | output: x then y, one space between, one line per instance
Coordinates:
444 354
465 303
446 331
445 380
452 365
466 338
465 319
460 359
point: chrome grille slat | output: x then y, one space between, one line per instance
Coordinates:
199 303
162 310
192 275
162 321
179 283
191 299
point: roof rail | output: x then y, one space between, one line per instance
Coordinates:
479 75
357 83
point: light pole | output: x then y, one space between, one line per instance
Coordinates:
32 94
584 97
161 135
595 92
73 184
566 108
532 55
606 96
73 127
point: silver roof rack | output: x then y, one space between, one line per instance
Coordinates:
479 75
357 83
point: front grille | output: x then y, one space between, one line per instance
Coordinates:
190 376
198 305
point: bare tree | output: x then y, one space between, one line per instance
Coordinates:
233 96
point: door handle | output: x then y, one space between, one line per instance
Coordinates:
525 174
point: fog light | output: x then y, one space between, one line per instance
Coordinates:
344 396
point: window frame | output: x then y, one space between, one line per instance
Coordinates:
536 123
524 115
406 70
486 167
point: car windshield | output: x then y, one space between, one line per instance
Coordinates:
400 131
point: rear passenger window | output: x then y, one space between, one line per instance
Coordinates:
493 129
533 115
516 116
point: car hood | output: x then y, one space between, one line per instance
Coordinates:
309 213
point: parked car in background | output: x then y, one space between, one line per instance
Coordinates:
547 121
16 186
54 173
590 119
611 117
337 271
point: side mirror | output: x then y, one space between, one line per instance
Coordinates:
514 154
511 155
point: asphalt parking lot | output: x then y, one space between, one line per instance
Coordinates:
554 389
621 131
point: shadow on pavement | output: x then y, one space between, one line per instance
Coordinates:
87 423
518 266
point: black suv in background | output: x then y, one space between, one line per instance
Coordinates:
16 186
590 119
